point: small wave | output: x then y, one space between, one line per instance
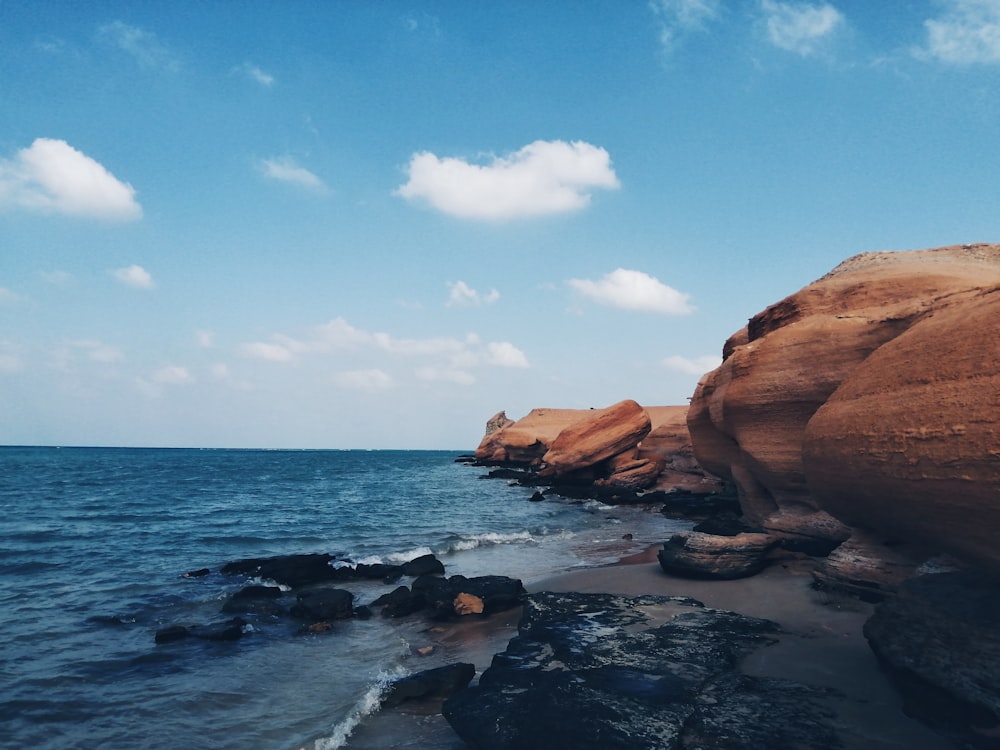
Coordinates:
395 558
465 543
367 705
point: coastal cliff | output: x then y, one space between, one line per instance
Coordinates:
868 399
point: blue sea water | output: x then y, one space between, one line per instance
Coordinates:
94 542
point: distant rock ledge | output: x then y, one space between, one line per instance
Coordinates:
623 451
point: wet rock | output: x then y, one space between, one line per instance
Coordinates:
698 555
321 605
400 602
291 570
431 683
200 573
378 571
939 639
423 565
230 630
598 671
447 598
261 600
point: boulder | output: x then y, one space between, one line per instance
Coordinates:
323 605
290 570
229 630
939 638
668 444
400 602
866 566
261 600
600 672
423 565
599 436
698 555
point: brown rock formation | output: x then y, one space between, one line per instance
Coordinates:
624 446
600 435
527 440
900 351
692 553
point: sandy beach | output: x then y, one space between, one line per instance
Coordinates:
821 645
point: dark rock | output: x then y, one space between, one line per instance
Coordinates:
599 671
261 600
378 571
698 555
497 593
400 602
196 573
322 605
431 683
291 570
230 630
939 640
695 505
423 565
726 525
364 612
537 497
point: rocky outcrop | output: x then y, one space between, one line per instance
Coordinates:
623 447
602 434
869 398
602 671
694 554
940 641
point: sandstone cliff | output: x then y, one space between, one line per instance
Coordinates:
624 446
871 398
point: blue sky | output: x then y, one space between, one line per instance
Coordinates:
375 224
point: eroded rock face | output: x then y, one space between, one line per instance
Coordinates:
870 395
602 671
601 434
624 446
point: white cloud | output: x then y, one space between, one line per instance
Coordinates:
142 45
443 358
544 177
50 176
98 351
679 17
462 295
364 380
173 375
286 169
134 276
800 27
205 339
505 354
268 351
254 73
968 32
692 366
634 290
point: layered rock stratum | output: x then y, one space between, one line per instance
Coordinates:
870 398
625 446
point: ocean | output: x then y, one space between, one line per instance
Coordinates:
94 543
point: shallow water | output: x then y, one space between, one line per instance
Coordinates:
95 541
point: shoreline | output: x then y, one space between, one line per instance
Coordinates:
821 644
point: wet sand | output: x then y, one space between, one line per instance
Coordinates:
822 645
